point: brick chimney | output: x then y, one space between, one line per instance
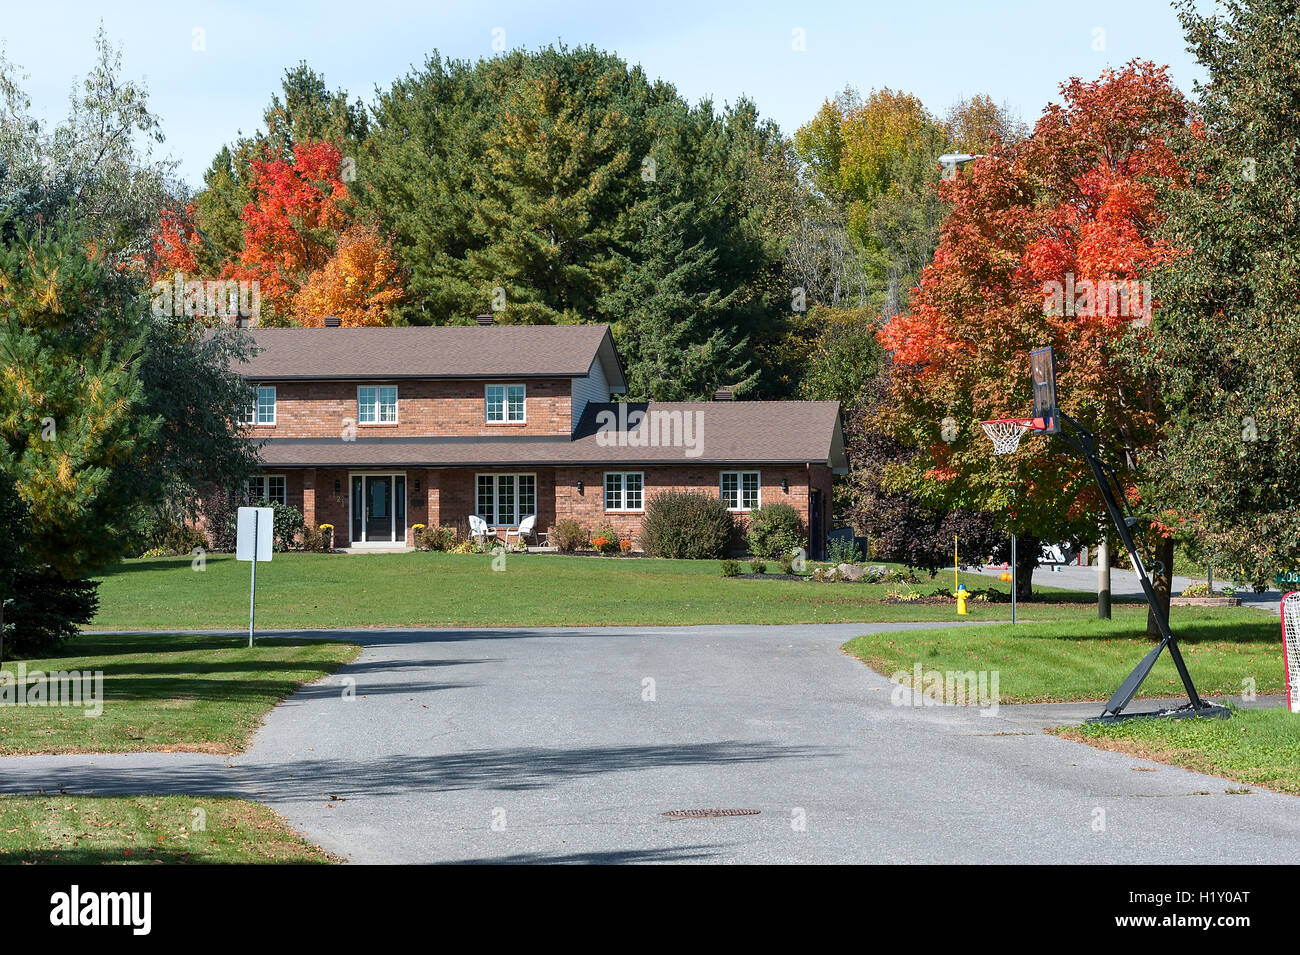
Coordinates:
332 321
485 319
722 394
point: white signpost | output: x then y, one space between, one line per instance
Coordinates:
253 544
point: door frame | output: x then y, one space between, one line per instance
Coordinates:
399 541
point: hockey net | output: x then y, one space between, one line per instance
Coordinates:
1291 648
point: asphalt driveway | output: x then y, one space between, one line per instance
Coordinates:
568 745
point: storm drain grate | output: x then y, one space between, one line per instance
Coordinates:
708 813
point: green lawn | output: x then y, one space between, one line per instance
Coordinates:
191 693
89 830
1086 659
433 589
1258 747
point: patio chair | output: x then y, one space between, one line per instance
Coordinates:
480 528
528 528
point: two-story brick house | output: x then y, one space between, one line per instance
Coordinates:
374 430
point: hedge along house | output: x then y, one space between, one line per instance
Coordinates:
375 430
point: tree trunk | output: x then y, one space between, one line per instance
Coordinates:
1162 582
1103 580
1028 550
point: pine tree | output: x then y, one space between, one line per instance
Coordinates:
71 400
672 318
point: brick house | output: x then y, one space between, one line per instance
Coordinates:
374 430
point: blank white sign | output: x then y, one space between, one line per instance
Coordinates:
246 545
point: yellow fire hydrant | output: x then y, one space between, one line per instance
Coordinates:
961 600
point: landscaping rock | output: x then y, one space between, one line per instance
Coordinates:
850 571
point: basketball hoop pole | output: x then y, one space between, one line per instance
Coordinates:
1084 441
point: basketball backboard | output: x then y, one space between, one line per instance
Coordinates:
1043 372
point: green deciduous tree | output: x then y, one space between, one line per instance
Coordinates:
1227 345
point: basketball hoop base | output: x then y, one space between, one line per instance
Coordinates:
1209 711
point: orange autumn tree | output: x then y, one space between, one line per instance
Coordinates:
361 283
1048 243
175 247
292 225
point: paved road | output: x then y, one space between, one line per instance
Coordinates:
539 746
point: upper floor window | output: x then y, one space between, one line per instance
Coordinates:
740 490
377 404
262 411
505 403
623 490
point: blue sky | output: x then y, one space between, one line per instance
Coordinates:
1017 52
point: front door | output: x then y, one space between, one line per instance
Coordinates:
378 508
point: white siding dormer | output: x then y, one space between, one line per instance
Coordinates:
594 387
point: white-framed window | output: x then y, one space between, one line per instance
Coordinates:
262 411
740 490
504 404
504 500
266 487
377 404
624 490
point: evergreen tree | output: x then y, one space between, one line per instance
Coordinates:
672 318
72 405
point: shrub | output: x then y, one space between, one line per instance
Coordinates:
605 541
167 535
842 551
757 566
318 539
787 565
686 524
775 529
730 568
568 536
44 610
221 515
289 524
440 538
1198 590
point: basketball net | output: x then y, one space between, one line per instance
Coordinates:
1006 434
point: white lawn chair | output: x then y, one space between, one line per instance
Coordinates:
528 528
480 528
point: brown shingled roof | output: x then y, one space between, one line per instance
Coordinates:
730 432
440 351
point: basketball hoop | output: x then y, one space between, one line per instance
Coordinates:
1005 433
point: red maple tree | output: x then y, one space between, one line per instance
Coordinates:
292 224
1048 243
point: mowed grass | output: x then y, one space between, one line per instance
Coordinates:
174 692
91 830
1086 659
436 590
1257 747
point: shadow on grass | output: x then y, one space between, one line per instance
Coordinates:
144 856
